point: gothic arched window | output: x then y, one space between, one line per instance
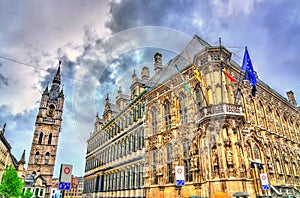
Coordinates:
121 148
262 114
167 114
285 125
183 108
252 111
270 119
278 123
117 150
50 139
198 96
169 163
186 148
112 153
256 152
154 162
40 138
129 145
153 120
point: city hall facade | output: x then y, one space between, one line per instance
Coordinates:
222 135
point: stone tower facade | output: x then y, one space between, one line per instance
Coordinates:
47 128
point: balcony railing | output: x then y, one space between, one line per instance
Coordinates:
217 111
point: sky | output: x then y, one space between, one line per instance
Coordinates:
102 42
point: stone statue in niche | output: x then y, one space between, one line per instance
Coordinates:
243 163
276 154
215 162
194 147
194 162
215 158
176 109
270 165
268 151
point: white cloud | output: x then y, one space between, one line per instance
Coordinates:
233 8
23 88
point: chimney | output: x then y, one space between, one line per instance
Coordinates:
291 98
157 62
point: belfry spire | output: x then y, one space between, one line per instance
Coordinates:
55 87
57 78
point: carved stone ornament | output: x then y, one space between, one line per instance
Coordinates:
167 136
153 141
183 131
227 142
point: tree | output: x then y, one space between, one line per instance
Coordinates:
27 194
11 185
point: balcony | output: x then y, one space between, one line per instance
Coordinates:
218 111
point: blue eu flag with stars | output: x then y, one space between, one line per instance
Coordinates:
249 71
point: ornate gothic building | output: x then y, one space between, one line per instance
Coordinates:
115 149
224 138
45 139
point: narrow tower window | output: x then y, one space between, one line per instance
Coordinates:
40 138
50 138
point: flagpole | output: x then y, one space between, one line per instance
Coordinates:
236 99
220 55
194 68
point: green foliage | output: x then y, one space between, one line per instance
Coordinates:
11 185
27 194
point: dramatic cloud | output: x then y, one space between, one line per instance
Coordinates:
3 79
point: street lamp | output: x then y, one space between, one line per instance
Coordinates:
257 163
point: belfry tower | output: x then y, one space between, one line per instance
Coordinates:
47 128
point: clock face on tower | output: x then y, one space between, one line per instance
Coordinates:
50 111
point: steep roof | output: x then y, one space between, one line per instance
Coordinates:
194 47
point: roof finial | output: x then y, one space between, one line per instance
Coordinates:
22 160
